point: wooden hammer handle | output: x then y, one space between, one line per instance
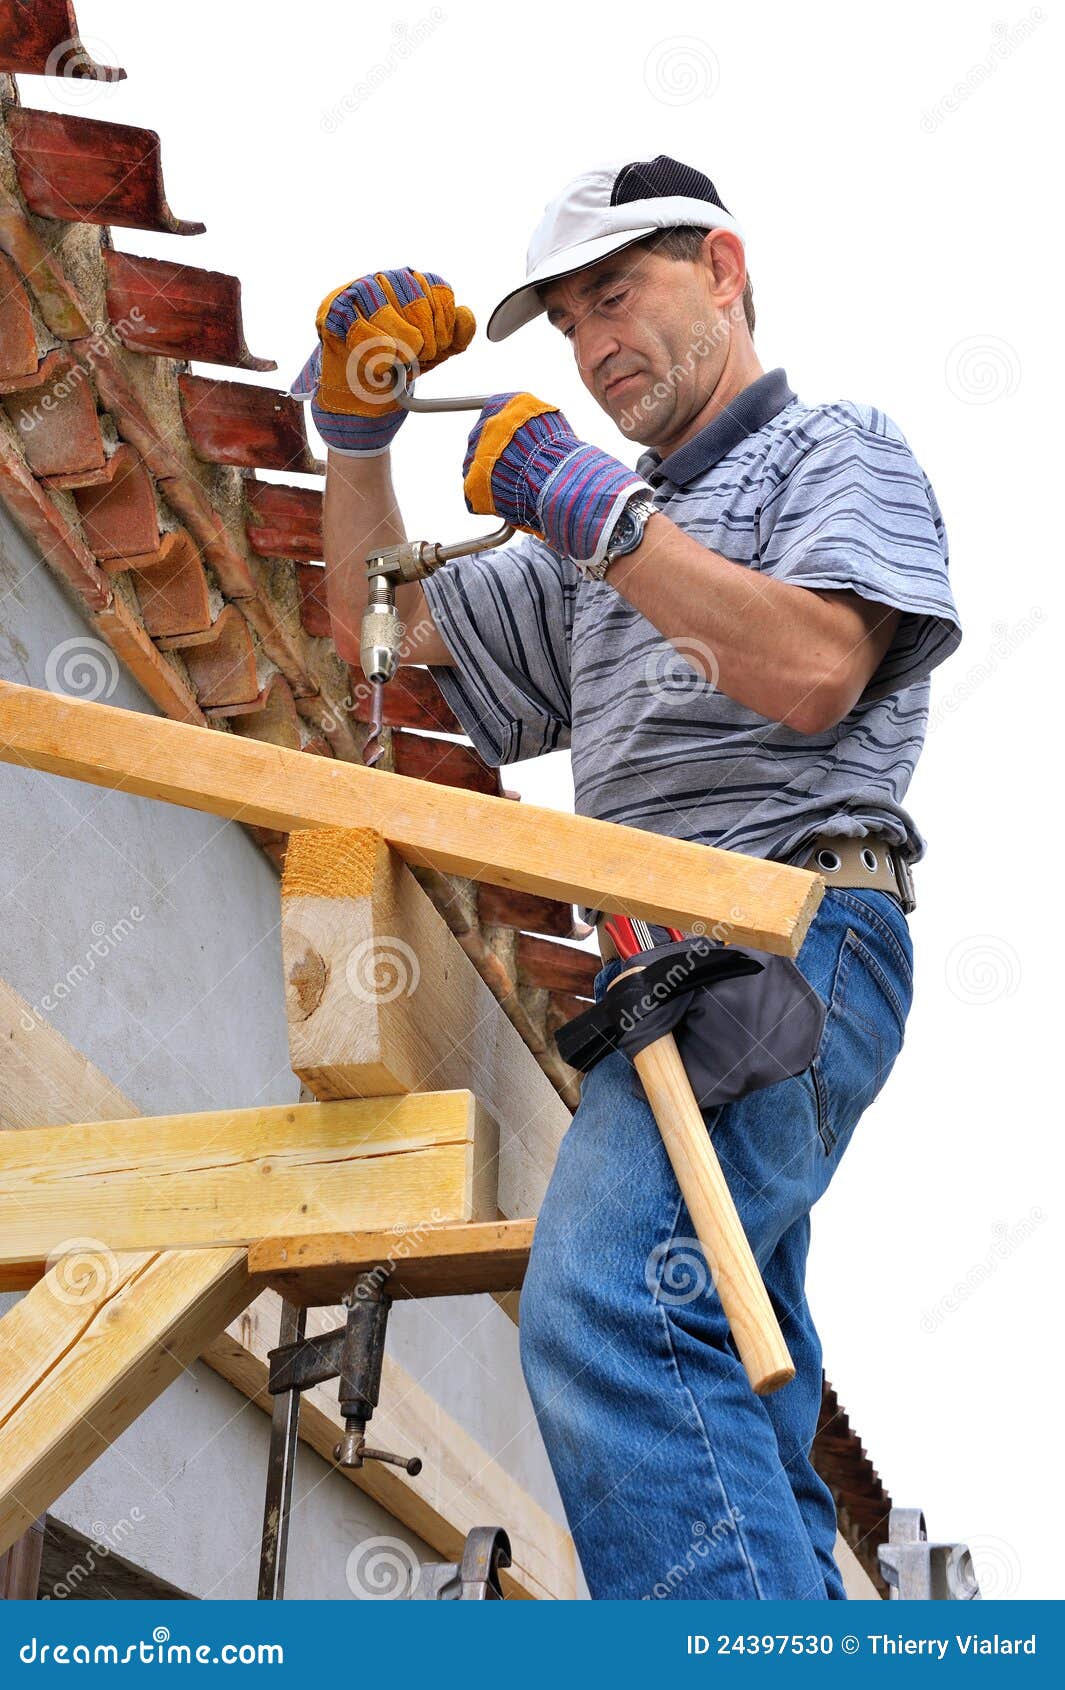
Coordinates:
755 1328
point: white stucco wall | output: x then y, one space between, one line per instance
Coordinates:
184 1010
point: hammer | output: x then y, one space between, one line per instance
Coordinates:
733 1269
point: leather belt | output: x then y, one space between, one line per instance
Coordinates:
871 862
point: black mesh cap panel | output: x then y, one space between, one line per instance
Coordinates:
657 178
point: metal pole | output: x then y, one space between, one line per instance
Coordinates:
284 1439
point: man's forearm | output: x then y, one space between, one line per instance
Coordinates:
778 649
361 512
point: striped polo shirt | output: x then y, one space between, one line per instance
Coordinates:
822 496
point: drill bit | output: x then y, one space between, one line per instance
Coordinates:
373 748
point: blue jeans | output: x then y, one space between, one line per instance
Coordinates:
676 1479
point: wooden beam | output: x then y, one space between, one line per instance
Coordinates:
382 1000
744 900
43 1077
434 1261
44 1081
228 1177
77 1367
460 1484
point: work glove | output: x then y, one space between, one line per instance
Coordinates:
364 328
525 464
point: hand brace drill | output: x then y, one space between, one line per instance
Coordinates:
391 566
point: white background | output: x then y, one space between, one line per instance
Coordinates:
891 168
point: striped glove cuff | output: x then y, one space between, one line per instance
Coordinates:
357 437
581 501
346 432
525 464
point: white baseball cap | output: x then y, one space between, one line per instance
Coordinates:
602 211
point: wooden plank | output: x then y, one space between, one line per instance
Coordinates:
75 1371
228 1177
45 1081
436 1261
744 900
382 999
460 1484
41 1076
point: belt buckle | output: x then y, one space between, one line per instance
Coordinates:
904 880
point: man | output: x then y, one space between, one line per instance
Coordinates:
735 640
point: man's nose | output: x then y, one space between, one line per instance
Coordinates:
593 344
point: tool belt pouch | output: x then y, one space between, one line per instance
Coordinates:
742 1018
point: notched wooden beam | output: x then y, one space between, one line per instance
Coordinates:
230 1177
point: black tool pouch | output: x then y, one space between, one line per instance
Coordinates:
742 1018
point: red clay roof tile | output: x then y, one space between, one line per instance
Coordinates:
41 37
170 584
442 761
83 170
54 411
232 422
120 518
177 311
502 906
561 968
412 700
284 521
43 275
18 338
220 662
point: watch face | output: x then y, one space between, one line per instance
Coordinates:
625 530
628 530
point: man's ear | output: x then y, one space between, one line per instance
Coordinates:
723 255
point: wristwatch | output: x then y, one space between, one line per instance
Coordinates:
628 532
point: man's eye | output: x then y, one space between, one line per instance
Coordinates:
613 299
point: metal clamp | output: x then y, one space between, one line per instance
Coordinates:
352 1353
475 1577
916 1570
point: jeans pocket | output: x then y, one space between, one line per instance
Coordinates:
885 927
863 1033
